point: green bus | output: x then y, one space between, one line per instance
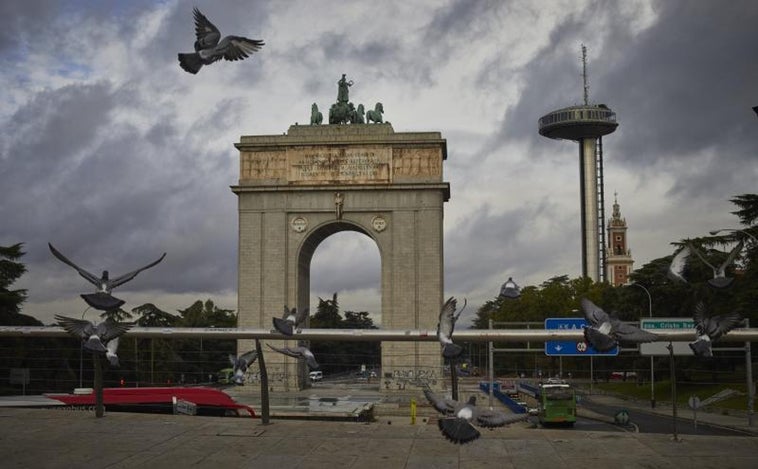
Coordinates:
557 404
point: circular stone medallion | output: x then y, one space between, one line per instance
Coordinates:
299 224
379 223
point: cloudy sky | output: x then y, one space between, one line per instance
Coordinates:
113 153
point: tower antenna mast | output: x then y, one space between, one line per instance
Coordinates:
584 75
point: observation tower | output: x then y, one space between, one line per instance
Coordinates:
586 124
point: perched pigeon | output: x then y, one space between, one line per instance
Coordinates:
102 300
209 47
95 337
290 320
240 365
110 352
678 263
720 280
710 329
456 425
445 328
510 289
604 332
300 352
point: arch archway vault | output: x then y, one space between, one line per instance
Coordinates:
297 189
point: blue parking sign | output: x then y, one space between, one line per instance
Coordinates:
572 348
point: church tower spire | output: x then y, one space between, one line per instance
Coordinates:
619 260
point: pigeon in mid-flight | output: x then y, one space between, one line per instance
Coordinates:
102 299
110 352
678 263
240 364
710 329
604 332
445 328
720 280
290 320
458 417
95 338
209 47
300 352
510 289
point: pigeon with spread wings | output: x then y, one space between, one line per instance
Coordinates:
720 280
445 328
300 352
290 320
675 270
102 299
458 417
210 47
604 332
710 329
240 365
95 337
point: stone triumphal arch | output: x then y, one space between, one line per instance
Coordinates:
297 189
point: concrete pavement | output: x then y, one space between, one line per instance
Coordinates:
52 438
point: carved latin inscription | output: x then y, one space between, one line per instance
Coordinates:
349 165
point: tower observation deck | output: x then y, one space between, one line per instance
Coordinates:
586 124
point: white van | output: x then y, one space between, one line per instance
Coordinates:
316 376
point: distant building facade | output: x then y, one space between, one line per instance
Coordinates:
619 262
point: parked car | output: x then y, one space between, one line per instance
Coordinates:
316 376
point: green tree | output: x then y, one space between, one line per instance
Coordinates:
116 314
10 271
152 316
198 358
327 314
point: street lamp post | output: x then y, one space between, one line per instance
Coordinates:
652 363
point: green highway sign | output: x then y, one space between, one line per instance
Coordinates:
666 324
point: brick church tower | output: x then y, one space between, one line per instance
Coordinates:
619 260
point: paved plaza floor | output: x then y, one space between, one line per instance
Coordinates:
58 438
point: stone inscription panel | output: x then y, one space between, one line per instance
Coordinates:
308 165
263 165
325 165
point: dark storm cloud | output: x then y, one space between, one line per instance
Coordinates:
683 84
111 195
687 83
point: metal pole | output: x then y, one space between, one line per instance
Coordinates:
652 362
265 406
750 383
670 346
490 371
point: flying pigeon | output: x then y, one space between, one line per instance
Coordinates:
290 320
456 425
110 352
300 352
678 263
604 332
209 47
95 337
510 289
445 328
240 365
710 329
102 299
720 280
